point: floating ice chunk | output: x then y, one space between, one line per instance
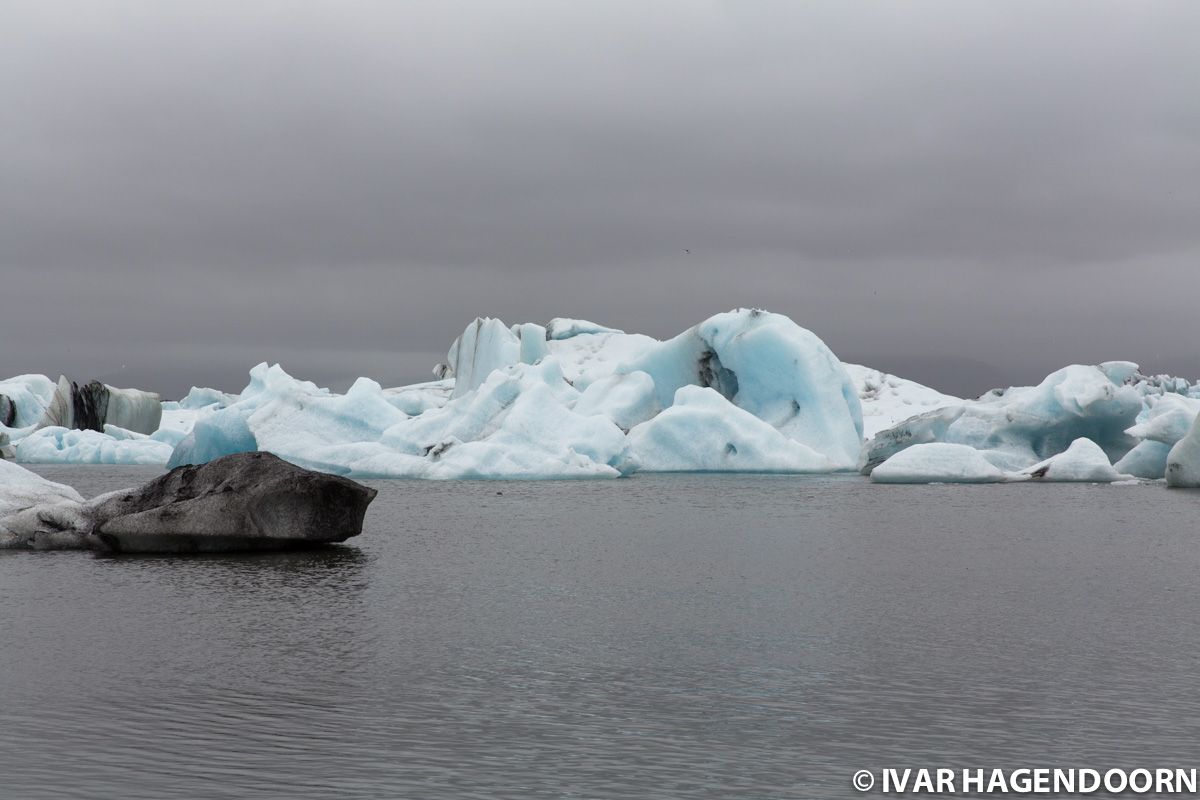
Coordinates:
33 508
484 346
1183 463
1083 461
58 445
771 367
888 400
1147 460
704 432
938 462
627 400
563 328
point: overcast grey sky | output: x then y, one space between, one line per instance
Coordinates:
966 193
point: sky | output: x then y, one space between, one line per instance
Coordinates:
967 193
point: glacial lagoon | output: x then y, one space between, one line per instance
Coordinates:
667 636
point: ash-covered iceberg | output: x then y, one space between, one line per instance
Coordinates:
95 404
37 513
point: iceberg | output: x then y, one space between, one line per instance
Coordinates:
528 401
938 462
1019 427
743 391
1083 461
114 445
1183 462
93 405
249 501
769 366
517 424
704 432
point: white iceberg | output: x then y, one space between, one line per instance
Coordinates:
704 432
938 462
1083 461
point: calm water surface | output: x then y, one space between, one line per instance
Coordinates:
657 637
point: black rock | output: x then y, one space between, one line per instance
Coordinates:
247 501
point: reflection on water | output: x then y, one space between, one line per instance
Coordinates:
666 636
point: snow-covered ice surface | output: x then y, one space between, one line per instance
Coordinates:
887 400
743 391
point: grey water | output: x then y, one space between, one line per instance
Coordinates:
656 637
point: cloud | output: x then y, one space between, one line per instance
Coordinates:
927 183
